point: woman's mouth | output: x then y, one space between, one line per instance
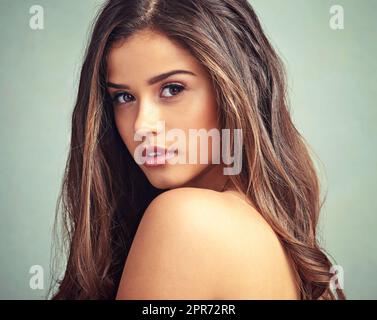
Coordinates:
155 156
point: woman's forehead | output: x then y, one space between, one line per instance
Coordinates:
149 53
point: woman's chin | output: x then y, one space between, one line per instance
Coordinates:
163 183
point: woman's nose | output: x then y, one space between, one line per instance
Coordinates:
148 120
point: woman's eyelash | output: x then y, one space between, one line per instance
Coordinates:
118 95
181 87
172 85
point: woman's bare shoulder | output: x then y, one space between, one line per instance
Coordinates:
201 244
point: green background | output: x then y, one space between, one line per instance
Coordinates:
332 87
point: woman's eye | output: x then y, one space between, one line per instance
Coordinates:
172 90
122 97
167 92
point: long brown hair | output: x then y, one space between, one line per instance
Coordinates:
104 192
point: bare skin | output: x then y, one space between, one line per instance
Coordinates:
143 56
197 240
201 244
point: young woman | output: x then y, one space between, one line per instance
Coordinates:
166 230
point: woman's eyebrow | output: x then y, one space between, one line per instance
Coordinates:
152 80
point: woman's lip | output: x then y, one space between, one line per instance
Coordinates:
158 160
156 149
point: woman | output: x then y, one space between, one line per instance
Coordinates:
165 230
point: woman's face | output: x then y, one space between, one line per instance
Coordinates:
183 100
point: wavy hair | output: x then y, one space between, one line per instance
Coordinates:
104 193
